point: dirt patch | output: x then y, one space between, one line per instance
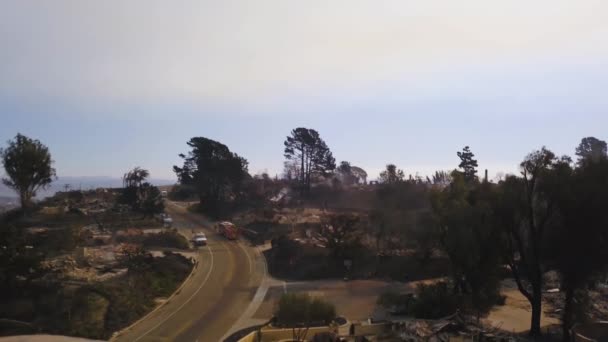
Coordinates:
515 315
355 300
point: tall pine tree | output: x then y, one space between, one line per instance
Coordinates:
306 147
468 164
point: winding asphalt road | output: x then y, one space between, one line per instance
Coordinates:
214 299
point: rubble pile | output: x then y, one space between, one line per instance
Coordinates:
103 256
599 306
92 235
90 265
62 264
597 309
452 328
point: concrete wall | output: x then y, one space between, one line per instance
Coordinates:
287 334
272 335
250 338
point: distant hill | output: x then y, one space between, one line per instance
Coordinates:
76 183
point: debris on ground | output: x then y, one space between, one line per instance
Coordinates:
452 328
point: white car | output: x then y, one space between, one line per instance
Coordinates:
167 221
199 239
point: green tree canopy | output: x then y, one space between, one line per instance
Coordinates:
151 200
470 239
578 246
591 150
346 174
141 195
135 177
214 171
28 165
468 164
391 175
305 147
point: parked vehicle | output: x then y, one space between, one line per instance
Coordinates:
167 222
228 230
199 239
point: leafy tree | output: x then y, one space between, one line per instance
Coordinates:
170 239
346 173
306 147
135 177
391 175
341 233
468 164
180 192
130 196
214 171
299 311
434 301
344 167
467 235
260 189
141 195
28 165
579 244
526 210
399 210
591 150
150 200
284 249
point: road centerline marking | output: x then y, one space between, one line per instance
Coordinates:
183 304
256 301
248 257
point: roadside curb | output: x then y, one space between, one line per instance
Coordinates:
175 293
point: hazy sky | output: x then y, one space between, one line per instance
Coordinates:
109 85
